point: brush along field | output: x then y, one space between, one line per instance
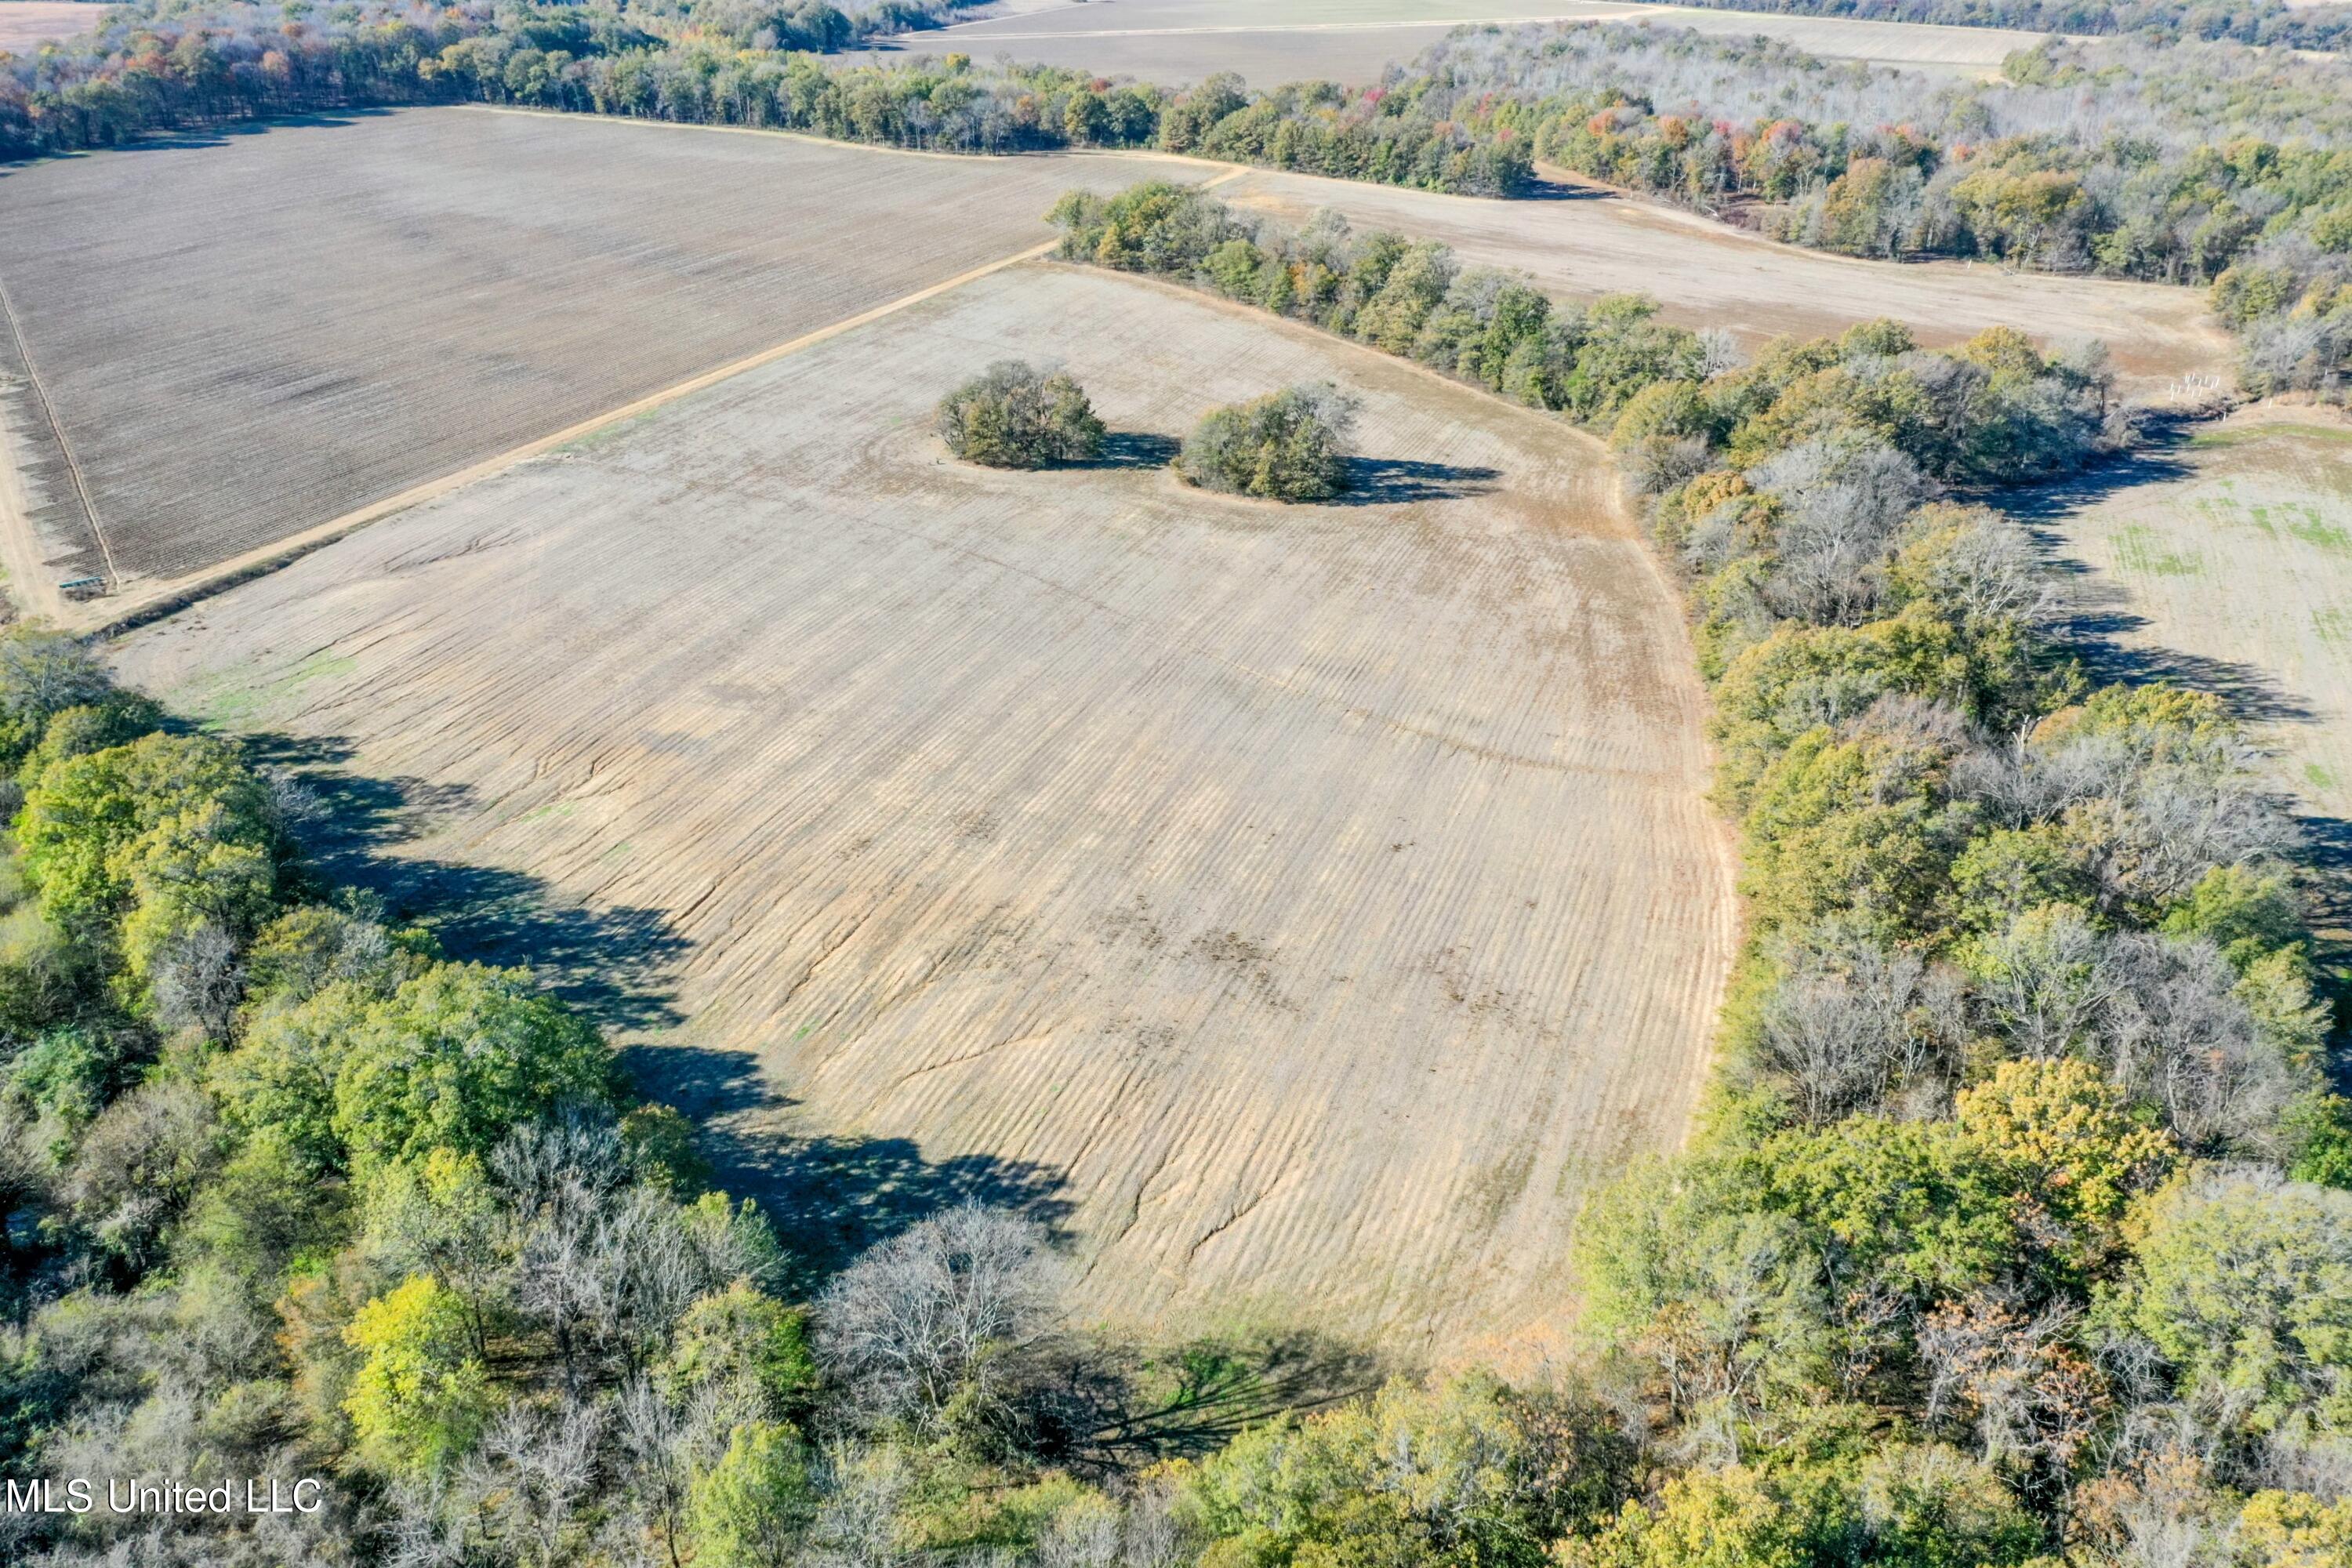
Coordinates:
25 22
1353 41
2227 566
1707 274
244 338
1310 903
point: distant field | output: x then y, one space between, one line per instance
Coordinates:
23 23
1271 41
248 338
1709 274
2228 566
1313 901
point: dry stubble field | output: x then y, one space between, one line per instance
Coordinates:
1707 274
1312 901
245 339
1273 41
25 22
2227 564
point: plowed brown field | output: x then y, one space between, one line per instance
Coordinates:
241 339
1306 903
25 22
1707 274
1273 41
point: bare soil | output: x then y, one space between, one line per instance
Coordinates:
1353 41
2225 563
1302 905
1588 242
25 23
243 336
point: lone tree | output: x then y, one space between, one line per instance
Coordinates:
1017 416
1290 445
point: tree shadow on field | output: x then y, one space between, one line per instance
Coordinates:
1562 187
1392 481
832 1196
2097 619
194 137
615 965
1134 450
1104 1405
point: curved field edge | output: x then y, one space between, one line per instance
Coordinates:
1301 906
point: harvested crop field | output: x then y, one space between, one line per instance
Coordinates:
2228 567
1178 41
25 22
1306 903
1707 274
327 313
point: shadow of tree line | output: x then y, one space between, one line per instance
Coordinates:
830 1197
2100 630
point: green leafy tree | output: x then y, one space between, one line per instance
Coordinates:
1734 1517
2243 1283
2064 1143
753 1508
166 831
455 1058
420 1395
1015 415
1288 445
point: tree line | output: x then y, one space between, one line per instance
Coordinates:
2204 163
162 66
2264 22
290 1193
2018 1228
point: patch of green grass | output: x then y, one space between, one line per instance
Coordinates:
2332 626
2312 528
2139 549
229 699
2246 434
2317 777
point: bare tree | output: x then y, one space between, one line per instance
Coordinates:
47 672
929 1315
2016 1377
1853 1024
2175 1032
534 1473
1841 500
2045 983
197 983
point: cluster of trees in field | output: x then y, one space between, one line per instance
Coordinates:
1014 416
2266 22
2019 1225
1287 446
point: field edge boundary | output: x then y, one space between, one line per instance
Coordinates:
171 597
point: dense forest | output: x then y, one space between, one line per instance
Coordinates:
2307 27
2019 1228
